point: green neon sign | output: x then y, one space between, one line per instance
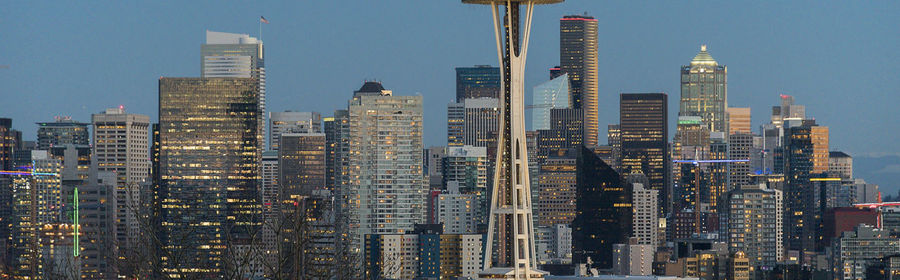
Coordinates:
75 225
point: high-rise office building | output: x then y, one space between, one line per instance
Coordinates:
614 140
7 144
292 122
858 248
121 142
271 208
433 167
579 59
840 164
738 120
232 55
466 168
62 131
209 190
480 81
472 122
805 155
306 222
604 211
754 224
337 148
704 91
37 204
565 133
385 186
645 222
456 211
644 133
740 147
553 94
97 223
556 190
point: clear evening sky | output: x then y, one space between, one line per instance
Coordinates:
839 58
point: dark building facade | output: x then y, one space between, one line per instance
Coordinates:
7 144
63 131
578 57
307 221
805 155
209 156
565 133
644 138
477 82
603 211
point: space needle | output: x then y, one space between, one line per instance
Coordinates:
510 225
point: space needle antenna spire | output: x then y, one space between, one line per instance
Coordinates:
509 253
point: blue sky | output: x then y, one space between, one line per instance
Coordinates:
839 58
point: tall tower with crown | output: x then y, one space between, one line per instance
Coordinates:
510 240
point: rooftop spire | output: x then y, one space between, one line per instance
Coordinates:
703 58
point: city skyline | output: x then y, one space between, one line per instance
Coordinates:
747 58
385 141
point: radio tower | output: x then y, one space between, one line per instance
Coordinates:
510 222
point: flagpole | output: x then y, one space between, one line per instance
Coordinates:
260 29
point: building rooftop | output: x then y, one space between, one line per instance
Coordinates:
838 154
703 58
371 86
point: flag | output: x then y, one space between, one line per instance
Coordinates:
263 20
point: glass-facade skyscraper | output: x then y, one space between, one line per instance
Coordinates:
210 149
477 82
603 210
704 91
553 94
578 57
644 135
232 55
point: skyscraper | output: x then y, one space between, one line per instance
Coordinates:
805 154
232 55
209 154
556 190
644 133
121 142
740 147
704 91
604 211
385 186
292 122
6 144
578 58
646 216
62 131
306 222
553 94
840 164
565 133
738 120
755 224
472 122
466 168
479 81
